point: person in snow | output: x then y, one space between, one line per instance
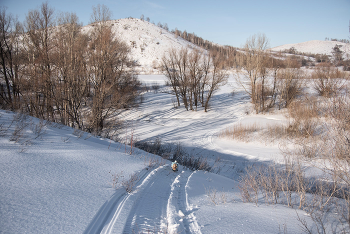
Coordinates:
174 165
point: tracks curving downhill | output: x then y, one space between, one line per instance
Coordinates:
158 204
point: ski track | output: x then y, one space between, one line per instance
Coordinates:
193 225
110 211
180 216
149 205
158 204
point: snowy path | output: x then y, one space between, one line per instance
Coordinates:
180 214
158 204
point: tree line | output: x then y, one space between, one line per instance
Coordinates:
52 70
227 53
270 80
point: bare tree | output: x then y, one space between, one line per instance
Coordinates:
169 67
114 84
194 76
100 13
263 87
217 77
183 78
254 68
71 87
275 65
38 42
337 54
165 26
9 60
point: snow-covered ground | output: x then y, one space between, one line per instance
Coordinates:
57 180
197 130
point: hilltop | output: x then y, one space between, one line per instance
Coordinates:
148 42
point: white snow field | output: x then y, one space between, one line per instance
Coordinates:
57 180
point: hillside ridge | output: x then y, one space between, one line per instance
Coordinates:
148 42
315 47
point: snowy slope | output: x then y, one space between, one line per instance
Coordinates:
197 130
147 41
315 47
56 180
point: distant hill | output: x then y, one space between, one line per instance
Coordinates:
315 47
147 41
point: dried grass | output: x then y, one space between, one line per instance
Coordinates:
240 132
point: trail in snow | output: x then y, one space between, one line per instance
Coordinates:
158 204
148 210
110 211
180 214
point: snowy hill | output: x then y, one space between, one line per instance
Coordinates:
147 41
315 47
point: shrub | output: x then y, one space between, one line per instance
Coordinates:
290 85
320 198
330 153
174 152
303 118
304 121
118 180
129 184
328 81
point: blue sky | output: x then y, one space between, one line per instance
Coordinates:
221 21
